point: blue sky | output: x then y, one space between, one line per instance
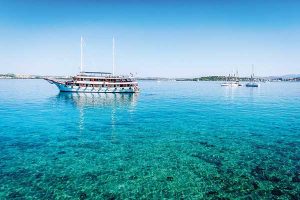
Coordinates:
153 38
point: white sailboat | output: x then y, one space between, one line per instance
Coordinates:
232 81
226 81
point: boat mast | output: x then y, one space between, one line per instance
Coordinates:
252 72
81 54
252 75
113 55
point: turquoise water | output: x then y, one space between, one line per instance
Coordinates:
174 140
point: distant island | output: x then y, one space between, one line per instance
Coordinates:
291 78
224 78
21 76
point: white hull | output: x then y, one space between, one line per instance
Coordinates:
231 84
67 88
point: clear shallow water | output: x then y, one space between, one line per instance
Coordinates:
174 140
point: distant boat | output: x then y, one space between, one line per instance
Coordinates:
252 82
226 81
232 81
97 82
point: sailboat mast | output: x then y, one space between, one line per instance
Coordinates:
252 75
113 55
81 54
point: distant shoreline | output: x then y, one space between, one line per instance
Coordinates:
204 78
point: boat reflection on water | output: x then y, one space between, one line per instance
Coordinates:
111 101
230 92
100 99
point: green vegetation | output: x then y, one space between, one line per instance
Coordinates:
210 78
9 75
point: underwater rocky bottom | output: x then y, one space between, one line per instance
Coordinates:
150 166
174 140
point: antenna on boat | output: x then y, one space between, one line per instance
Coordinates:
81 54
113 55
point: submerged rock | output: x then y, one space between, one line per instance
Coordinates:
259 173
14 195
61 152
215 160
293 144
38 175
277 192
170 178
255 185
212 193
64 178
257 170
288 187
133 177
222 198
206 144
296 179
294 197
82 195
90 176
110 196
274 179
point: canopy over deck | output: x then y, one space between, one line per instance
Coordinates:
94 73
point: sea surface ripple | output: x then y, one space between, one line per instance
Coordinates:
174 140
